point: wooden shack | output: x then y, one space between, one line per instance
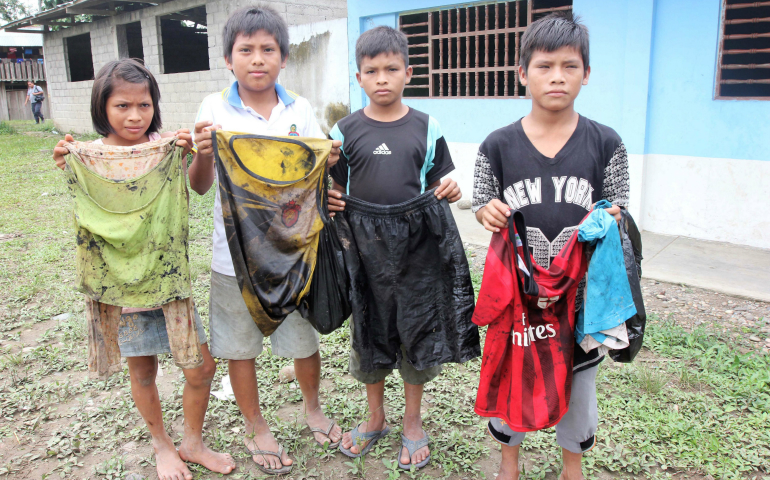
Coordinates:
21 61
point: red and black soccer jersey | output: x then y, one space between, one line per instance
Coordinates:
526 371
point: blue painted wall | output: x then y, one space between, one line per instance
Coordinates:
683 117
653 71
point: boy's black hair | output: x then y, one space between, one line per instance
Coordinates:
129 70
379 40
249 20
552 32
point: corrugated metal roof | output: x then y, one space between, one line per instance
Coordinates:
64 15
10 39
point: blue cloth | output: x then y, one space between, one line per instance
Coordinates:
608 299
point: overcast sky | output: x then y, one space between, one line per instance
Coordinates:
31 4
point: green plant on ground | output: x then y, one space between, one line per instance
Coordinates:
650 379
357 467
691 402
111 469
6 128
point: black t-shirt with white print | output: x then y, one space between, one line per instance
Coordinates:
554 194
390 162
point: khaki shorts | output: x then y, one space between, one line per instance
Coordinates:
234 335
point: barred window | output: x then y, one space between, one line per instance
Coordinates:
744 51
471 51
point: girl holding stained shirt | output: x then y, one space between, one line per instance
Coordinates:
125 111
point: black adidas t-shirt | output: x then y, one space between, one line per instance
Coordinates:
389 162
554 194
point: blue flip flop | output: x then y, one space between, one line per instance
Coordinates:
367 439
272 471
411 447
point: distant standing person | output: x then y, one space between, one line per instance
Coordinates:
35 95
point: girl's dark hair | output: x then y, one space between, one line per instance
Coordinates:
249 20
128 70
550 33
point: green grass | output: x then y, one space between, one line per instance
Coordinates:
693 407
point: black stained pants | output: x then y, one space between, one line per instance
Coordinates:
410 283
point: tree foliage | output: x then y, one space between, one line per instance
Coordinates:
49 4
11 10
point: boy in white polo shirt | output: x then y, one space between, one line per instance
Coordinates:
256 46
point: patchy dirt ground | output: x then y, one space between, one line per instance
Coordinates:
694 405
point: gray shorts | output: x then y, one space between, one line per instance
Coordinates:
575 431
143 334
408 373
235 336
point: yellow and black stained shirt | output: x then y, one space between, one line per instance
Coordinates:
272 191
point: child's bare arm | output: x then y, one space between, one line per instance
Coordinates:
60 151
201 171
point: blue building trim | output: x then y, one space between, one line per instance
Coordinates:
653 75
683 118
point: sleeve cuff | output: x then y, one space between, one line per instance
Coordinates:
437 176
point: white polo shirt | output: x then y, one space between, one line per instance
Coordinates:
293 114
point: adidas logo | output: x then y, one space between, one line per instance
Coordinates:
382 150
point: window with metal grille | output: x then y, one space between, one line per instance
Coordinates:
744 51
471 51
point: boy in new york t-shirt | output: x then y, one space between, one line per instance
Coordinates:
552 165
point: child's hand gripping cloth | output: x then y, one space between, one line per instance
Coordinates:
272 205
526 370
132 243
608 299
410 283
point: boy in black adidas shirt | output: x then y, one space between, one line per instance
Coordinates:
391 153
553 165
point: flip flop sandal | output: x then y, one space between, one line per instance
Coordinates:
367 439
326 432
411 447
272 471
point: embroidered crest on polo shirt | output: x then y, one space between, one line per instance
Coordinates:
382 150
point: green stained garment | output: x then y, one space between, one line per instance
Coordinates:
131 232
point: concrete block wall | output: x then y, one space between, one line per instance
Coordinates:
181 93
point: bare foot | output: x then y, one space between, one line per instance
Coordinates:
317 419
564 476
413 431
377 422
260 437
169 465
506 474
203 455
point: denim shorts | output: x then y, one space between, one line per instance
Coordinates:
143 334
